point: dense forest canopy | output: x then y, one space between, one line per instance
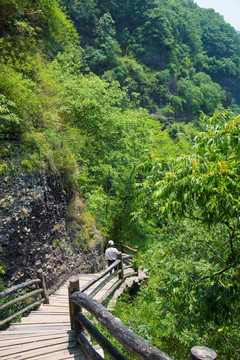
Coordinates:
106 96
164 42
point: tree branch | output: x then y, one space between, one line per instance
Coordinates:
224 336
214 251
220 272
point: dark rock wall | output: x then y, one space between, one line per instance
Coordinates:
33 232
228 84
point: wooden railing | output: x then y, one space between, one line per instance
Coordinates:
78 300
138 346
134 343
39 282
133 252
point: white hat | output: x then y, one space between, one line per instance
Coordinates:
110 243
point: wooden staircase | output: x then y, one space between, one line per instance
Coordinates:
46 332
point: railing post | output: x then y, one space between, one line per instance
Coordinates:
136 262
121 243
40 275
120 266
202 353
73 308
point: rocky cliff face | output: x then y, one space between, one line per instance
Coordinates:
228 84
33 232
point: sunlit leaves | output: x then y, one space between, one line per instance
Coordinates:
205 186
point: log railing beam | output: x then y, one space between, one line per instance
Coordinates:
134 343
20 298
20 312
87 348
15 288
102 341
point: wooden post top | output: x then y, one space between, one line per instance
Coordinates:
40 273
73 279
73 284
202 353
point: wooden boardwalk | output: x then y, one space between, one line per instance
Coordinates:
46 333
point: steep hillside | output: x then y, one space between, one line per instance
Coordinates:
169 55
59 120
70 144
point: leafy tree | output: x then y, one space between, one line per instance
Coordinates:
212 93
191 94
202 187
193 205
104 57
178 309
11 125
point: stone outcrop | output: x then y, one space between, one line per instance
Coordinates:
228 84
33 232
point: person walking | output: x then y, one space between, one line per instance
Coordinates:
111 254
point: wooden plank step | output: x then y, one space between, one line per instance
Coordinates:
49 311
43 327
59 299
48 351
18 349
53 311
31 332
61 293
42 319
34 337
54 306
13 342
75 354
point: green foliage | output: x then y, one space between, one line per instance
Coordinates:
200 93
10 125
83 15
80 223
103 56
204 186
175 35
220 41
194 268
178 308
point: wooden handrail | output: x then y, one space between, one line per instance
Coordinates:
99 277
97 335
20 312
20 298
103 283
15 288
87 348
122 246
134 343
27 284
